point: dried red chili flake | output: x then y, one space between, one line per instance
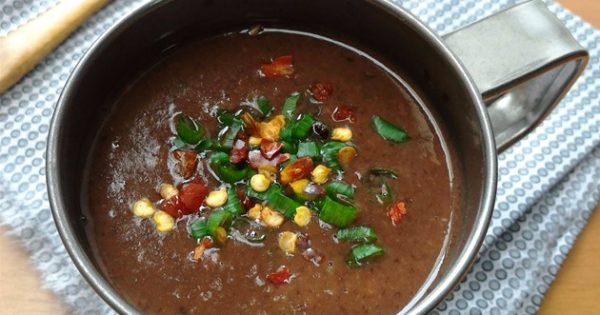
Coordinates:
296 170
269 149
280 276
192 195
256 159
185 163
244 199
173 207
321 91
279 67
342 113
397 212
239 152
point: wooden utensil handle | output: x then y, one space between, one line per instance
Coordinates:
22 49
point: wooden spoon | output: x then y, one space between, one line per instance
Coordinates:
22 49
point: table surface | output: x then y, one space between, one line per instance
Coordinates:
575 291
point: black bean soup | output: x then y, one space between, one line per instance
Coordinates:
269 172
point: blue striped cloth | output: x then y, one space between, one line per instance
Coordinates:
547 181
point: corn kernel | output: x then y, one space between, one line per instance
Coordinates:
270 130
254 212
260 182
302 216
271 218
299 185
143 208
287 242
269 171
346 155
216 198
254 141
342 134
320 174
168 191
221 235
163 221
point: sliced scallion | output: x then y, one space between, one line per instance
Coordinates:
189 129
357 234
388 131
233 204
308 148
361 253
303 126
264 106
383 172
336 213
199 229
218 218
334 189
289 106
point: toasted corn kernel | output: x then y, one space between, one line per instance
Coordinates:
269 171
221 235
320 174
271 217
216 198
270 130
254 141
287 242
346 155
260 182
342 134
302 216
163 221
254 212
299 185
143 208
168 191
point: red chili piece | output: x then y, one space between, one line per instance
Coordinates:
186 162
270 149
342 113
192 195
296 170
397 212
279 67
256 159
244 199
172 207
279 277
321 91
239 152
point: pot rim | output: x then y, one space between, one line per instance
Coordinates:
102 287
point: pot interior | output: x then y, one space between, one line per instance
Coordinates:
137 43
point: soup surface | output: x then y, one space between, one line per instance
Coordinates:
176 125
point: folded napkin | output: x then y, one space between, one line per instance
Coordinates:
546 192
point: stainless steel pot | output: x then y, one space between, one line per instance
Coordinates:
488 83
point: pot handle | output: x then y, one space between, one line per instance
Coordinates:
523 60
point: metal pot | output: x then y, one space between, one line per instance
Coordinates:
488 83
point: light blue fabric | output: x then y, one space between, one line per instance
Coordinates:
547 182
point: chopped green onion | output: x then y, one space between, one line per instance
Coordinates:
360 253
289 147
228 137
334 189
218 218
264 106
189 129
383 172
178 143
329 153
336 213
226 118
282 203
227 172
386 195
357 234
199 229
289 106
206 144
303 126
308 148
233 204
286 133
388 131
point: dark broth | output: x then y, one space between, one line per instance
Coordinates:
155 272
